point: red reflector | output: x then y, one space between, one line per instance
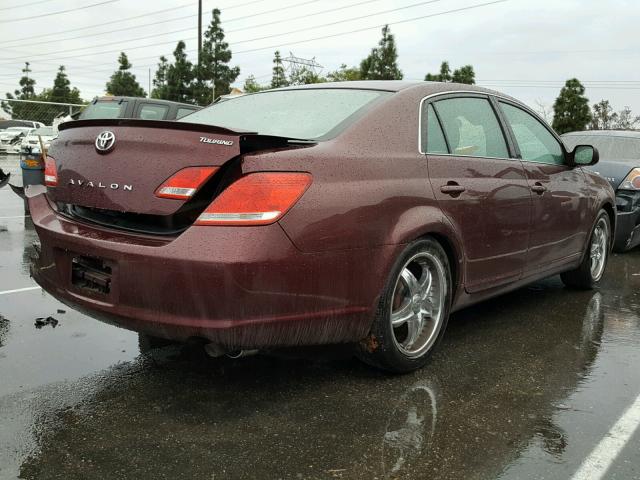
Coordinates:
185 183
50 172
256 199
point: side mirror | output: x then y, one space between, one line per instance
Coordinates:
584 155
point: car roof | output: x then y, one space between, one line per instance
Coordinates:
115 98
399 85
604 133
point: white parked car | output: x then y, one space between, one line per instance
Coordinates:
4 124
11 137
30 142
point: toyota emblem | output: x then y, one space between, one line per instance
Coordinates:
105 141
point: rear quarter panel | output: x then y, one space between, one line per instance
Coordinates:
370 184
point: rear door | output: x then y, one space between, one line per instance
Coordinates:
558 231
482 191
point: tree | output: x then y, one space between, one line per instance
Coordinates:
160 80
278 77
382 62
251 85
443 76
625 120
123 82
20 111
180 76
464 74
62 91
603 116
305 76
214 75
571 109
344 74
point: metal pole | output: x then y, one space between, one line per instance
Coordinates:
199 30
149 94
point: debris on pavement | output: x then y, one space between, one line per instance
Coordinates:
43 322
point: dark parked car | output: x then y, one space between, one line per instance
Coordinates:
349 212
136 107
620 165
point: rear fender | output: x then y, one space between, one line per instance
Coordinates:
425 220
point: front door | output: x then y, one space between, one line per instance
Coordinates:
481 190
558 234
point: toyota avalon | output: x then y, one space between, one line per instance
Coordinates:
360 212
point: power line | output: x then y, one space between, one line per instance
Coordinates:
340 34
121 20
60 12
95 34
26 4
360 17
120 42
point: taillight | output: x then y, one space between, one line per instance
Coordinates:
256 199
185 183
632 181
50 172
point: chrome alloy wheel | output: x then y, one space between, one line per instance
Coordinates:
599 249
418 304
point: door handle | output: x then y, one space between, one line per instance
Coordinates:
452 188
538 188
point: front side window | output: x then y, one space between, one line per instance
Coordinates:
534 140
471 127
317 113
436 144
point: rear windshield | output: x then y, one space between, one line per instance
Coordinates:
104 109
609 148
304 114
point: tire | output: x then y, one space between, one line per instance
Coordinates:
594 262
417 298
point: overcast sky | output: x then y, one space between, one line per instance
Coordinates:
526 48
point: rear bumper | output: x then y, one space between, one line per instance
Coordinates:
236 286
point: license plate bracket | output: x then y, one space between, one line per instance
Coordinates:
92 274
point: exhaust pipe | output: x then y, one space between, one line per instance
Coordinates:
216 351
242 353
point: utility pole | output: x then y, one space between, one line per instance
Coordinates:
149 94
199 30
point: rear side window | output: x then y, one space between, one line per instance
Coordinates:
149 111
104 109
535 142
471 127
184 111
436 143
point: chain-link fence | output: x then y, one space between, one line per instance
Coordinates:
37 111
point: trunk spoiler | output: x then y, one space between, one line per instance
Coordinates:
249 141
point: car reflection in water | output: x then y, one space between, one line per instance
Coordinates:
483 401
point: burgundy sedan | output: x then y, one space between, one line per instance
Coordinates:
360 212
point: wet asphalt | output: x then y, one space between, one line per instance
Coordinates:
523 386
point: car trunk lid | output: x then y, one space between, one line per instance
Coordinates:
144 154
